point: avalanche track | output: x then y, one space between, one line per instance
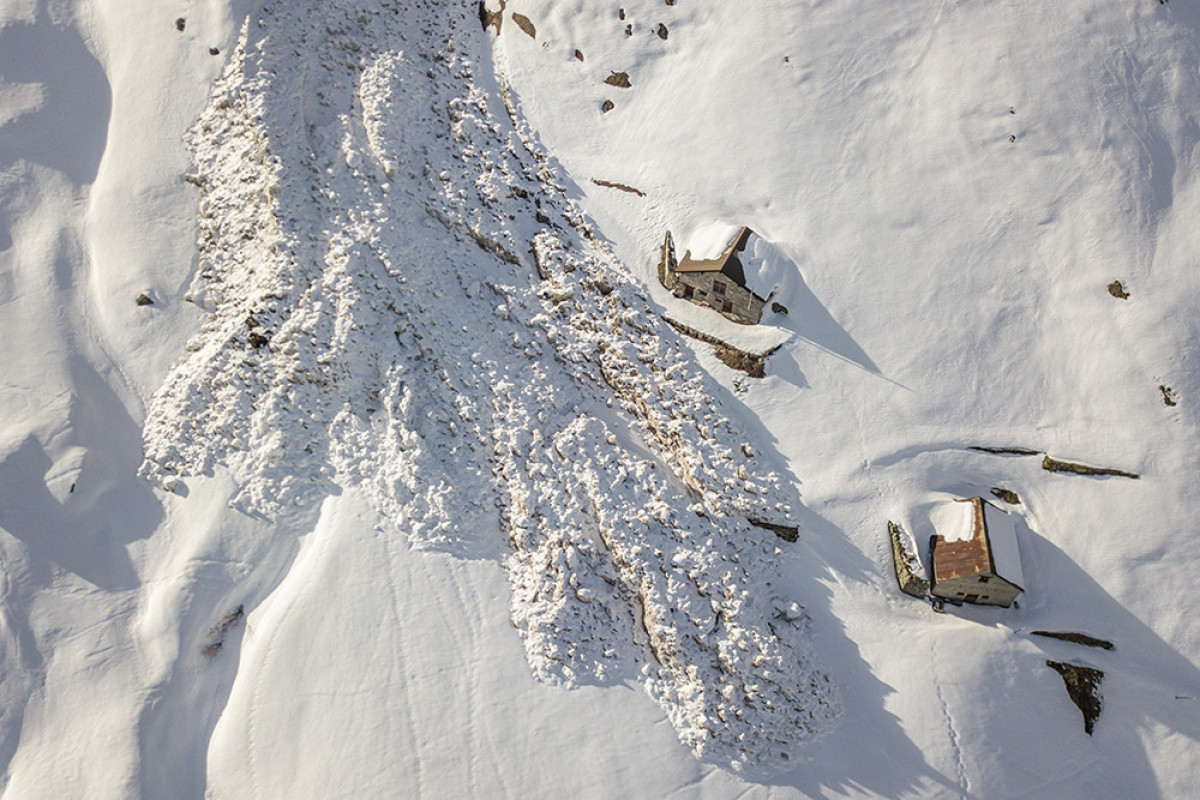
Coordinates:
404 300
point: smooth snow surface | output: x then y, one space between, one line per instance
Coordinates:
767 269
710 241
1006 550
400 487
953 520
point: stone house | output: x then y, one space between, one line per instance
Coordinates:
974 554
717 283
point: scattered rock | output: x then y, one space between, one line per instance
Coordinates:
779 308
579 55
670 2
525 24
753 364
1168 394
1083 687
1077 638
662 32
257 340
607 106
1007 495
789 533
620 13
180 24
619 79
629 30
489 19
1054 465
216 634
214 51
144 299
1117 290
622 187
1006 451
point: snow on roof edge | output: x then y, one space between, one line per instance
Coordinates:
1002 539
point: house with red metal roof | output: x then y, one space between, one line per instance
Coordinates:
974 554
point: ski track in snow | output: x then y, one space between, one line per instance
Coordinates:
404 299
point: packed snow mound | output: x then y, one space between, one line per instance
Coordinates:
767 268
403 299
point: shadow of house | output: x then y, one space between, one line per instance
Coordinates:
717 283
974 554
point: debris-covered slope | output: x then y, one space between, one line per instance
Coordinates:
959 185
403 299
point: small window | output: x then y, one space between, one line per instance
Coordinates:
718 287
727 307
984 579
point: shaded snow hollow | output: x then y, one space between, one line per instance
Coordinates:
404 300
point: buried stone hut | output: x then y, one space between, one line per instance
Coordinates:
718 282
974 554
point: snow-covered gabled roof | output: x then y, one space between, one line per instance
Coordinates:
710 242
739 253
976 538
1002 541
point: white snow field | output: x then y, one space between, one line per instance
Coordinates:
400 486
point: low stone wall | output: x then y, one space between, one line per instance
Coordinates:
666 263
906 564
753 364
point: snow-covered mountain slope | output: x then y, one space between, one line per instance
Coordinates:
951 292
404 406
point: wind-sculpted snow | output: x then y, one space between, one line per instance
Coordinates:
403 298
